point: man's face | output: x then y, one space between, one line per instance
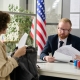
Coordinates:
64 29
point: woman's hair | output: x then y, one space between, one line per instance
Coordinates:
66 20
4 19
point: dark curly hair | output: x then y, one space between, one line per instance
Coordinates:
4 19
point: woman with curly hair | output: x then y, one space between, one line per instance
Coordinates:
7 64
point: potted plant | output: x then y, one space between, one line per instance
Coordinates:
19 25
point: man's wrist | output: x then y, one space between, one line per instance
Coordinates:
44 58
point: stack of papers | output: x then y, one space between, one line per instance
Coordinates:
62 57
66 53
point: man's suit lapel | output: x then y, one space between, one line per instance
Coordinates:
55 43
69 40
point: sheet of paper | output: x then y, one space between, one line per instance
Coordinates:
74 5
62 57
68 50
22 41
75 19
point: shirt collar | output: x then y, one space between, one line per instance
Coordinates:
64 40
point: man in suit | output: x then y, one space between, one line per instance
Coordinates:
53 43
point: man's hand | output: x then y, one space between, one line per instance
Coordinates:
49 58
77 57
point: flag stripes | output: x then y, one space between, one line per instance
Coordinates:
41 26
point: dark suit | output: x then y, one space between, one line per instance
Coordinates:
52 45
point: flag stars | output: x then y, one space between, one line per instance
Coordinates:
40 6
39 11
37 2
41 0
44 18
43 10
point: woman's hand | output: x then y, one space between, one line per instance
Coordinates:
20 52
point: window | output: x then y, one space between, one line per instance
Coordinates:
52 11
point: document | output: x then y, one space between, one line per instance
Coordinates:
23 40
74 5
75 19
62 57
66 53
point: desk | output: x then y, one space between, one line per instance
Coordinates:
64 70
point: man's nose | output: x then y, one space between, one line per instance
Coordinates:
62 31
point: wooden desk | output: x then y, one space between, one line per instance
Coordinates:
64 70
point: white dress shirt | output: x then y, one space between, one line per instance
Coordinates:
64 40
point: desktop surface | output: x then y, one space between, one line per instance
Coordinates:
64 70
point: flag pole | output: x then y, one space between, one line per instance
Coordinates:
34 42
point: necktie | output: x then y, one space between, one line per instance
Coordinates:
61 43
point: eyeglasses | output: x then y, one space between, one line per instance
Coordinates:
65 30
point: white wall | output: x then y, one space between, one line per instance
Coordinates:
66 13
22 4
5 3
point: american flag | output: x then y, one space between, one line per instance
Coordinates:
32 30
41 29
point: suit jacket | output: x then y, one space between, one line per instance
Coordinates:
7 64
52 44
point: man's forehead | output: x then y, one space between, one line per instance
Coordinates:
64 24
